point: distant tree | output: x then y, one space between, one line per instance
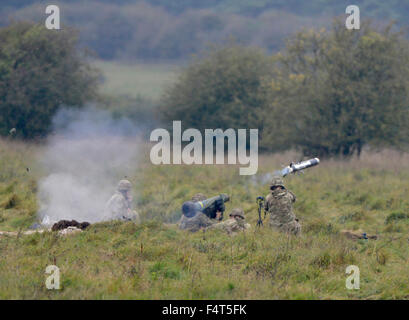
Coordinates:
222 89
40 70
336 91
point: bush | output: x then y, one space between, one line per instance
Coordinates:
40 70
340 90
223 90
396 216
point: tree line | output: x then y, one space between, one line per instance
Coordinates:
329 92
174 30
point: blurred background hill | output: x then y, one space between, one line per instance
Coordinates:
159 29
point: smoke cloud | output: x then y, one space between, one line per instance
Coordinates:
85 158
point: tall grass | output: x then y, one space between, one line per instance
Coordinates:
156 260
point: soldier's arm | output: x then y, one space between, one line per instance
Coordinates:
266 203
216 225
294 198
205 221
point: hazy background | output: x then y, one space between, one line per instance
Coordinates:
142 50
173 30
139 45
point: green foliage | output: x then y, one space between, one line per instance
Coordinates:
224 89
40 70
340 90
18 204
329 93
10 202
396 216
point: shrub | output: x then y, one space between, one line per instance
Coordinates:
224 89
40 70
396 216
340 90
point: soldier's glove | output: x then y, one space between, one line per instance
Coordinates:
220 206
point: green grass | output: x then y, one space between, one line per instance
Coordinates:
136 80
156 260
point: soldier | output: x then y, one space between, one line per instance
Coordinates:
235 223
199 197
193 220
279 203
119 207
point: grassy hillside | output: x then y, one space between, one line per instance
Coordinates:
155 260
135 80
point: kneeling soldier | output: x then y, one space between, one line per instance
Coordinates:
279 204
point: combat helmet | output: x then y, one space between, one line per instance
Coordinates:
276 182
237 212
124 185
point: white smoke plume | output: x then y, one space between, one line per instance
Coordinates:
85 158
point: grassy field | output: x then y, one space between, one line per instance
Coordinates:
155 260
133 80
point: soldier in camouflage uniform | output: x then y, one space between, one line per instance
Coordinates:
193 220
119 207
279 204
234 224
199 197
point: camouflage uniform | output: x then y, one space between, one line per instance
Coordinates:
279 204
199 197
195 223
119 207
233 225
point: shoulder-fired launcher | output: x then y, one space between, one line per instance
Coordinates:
209 206
294 167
